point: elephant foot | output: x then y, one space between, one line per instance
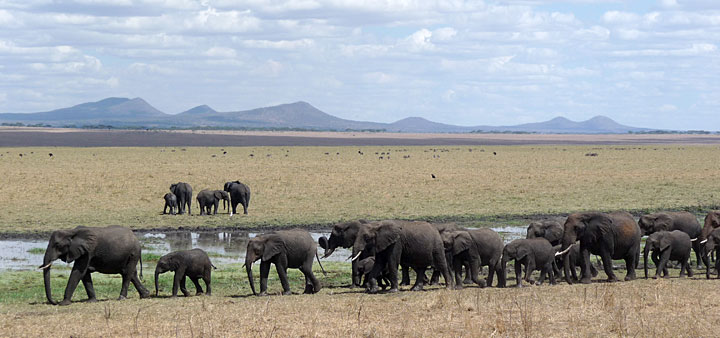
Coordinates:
92 300
145 294
482 284
629 278
612 279
416 288
287 293
372 290
519 285
393 290
262 294
65 302
458 287
467 281
586 280
122 297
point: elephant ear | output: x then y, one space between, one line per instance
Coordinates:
554 233
603 228
218 195
78 247
522 252
665 242
273 246
387 234
663 222
462 242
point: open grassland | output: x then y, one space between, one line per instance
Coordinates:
647 308
322 185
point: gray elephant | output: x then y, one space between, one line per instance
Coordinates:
611 236
343 235
193 264
669 221
170 202
183 192
209 199
712 243
475 248
668 245
534 254
286 249
109 250
553 231
575 260
414 244
365 265
435 278
239 194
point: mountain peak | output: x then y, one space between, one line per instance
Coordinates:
202 109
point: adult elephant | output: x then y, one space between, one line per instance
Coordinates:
608 235
414 244
670 221
239 194
109 250
183 192
712 222
207 199
343 235
553 231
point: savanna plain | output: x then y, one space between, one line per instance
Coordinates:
315 187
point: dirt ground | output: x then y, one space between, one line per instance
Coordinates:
35 137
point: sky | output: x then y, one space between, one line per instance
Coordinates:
642 63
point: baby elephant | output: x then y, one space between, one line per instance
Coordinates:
534 254
365 265
668 245
170 201
194 264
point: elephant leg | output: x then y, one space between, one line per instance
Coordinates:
264 273
176 282
457 272
552 274
245 206
607 266
89 289
435 278
468 276
664 258
125 285
183 288
356 277
585 276
543 271
198 288
518 273
144 293
282 274
474 274
406 275
206 278
500 272
419 280
717 268
529 268
630 264
312 285
216 207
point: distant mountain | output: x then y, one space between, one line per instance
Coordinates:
123 112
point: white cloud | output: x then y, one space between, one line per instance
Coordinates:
379 77
221 52
282 44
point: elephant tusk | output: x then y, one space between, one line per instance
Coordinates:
356 256
694 239
560 253
46 266
703 242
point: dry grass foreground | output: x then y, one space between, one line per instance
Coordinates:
322 185
644 308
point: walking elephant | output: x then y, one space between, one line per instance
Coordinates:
435 278
414 244
171 202
553 232
239 194
207 199
534 254
475 248
713 244
669 221
343 235
109 250
183 192
286 249
611 236
668 245
194 264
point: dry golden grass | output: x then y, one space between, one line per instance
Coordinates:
645 308
304 185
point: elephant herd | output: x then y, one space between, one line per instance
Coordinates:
381 248
180 196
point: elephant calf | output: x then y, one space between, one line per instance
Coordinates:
534 254
474 248
365 265
194 264
207 199
170 202
668 245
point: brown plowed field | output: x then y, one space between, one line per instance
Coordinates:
46 137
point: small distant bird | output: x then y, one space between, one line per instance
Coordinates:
20 155
214 155
51 155
494 153
433 175
224 152
251 155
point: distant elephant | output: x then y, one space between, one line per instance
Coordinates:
108 250
611 236
475 248
171 202
668 245
669 221
183 192
194 264
207 199
240 194
415 244
713 244
286 249
534 254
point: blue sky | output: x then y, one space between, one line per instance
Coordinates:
643 63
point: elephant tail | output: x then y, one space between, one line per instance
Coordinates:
141 268
213 266
321 267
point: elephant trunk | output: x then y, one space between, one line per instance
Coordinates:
47 263
569 239
504 261
249 259
157 274
645 257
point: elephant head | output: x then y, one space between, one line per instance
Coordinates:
173 188
263 247
68 246
585 226
514 251
713 240
550 230
222 195
660 241
343 235
165 263
712 221
375 238
655 222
